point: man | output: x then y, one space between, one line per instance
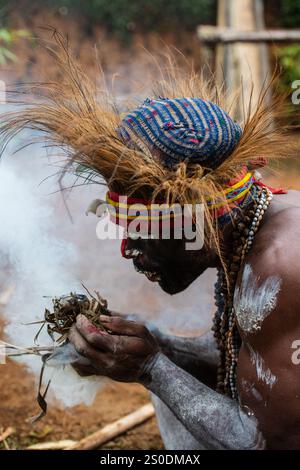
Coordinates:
239 387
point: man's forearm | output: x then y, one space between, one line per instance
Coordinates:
207 415
198 355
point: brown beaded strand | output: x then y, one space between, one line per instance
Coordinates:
225 326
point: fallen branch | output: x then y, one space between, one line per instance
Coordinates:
105 434
59 445
115 429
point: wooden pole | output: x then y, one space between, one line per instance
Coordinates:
221 49
238 63
213 34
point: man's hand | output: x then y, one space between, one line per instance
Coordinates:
126 354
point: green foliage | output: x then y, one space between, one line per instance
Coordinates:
289 59
289 56
7 38
290 13
125 16
8 35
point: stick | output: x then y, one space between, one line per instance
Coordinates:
59 445
24 350
113 430
8 432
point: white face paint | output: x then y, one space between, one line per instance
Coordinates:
254 302
263 373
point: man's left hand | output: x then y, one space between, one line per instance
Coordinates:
126 354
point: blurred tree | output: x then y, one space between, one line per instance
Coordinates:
289 60
122 16
290 13
8 36
289 56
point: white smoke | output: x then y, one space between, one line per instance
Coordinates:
41 264
43 254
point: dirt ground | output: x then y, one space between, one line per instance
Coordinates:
17 404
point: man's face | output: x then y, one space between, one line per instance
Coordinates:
168 262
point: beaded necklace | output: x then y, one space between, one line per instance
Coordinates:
225 325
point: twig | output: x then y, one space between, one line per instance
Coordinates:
6 445
25 350
8 432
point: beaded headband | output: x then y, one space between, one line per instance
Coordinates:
125 209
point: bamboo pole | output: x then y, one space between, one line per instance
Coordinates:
215 34
238 63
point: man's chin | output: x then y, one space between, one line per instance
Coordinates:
171 288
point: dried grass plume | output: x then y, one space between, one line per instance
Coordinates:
80 116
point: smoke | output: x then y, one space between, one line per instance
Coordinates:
40 264
43 253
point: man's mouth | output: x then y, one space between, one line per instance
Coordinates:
151 275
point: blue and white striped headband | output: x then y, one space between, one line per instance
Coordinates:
183 129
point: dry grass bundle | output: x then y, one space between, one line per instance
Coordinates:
58 322
65 311
67 308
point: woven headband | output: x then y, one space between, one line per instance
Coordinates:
125 209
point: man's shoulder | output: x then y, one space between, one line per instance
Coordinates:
272 267
266 298
276 249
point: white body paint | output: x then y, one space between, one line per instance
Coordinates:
253 302
250 388
263 372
